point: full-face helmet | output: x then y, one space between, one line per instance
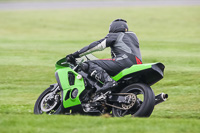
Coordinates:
118 25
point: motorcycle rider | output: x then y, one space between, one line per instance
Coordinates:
125 52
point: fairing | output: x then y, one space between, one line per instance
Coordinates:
146 73
62 77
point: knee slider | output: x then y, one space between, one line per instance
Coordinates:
84 67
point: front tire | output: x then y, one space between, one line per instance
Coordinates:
144 104
54 107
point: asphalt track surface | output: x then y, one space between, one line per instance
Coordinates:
92 4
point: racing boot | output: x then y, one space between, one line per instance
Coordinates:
103 77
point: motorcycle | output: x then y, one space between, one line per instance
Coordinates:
75 90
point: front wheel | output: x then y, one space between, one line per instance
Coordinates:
49 101
143 104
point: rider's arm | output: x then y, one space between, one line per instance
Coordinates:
100 45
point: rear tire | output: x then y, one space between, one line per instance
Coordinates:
37 107
144 108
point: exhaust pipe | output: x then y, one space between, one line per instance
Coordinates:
160 98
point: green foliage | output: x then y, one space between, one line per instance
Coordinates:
32 41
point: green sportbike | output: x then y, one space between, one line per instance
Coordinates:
75 90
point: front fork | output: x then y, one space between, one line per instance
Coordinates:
55 88
54 91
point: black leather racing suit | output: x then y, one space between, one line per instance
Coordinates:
125 52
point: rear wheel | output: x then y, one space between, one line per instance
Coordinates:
49 102
143 104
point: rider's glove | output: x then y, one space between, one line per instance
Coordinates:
71 57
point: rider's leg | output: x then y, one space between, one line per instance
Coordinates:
101 69
100 75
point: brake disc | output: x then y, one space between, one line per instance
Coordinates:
131 100
45 105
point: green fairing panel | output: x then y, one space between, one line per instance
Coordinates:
79 84
132 69
61 64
